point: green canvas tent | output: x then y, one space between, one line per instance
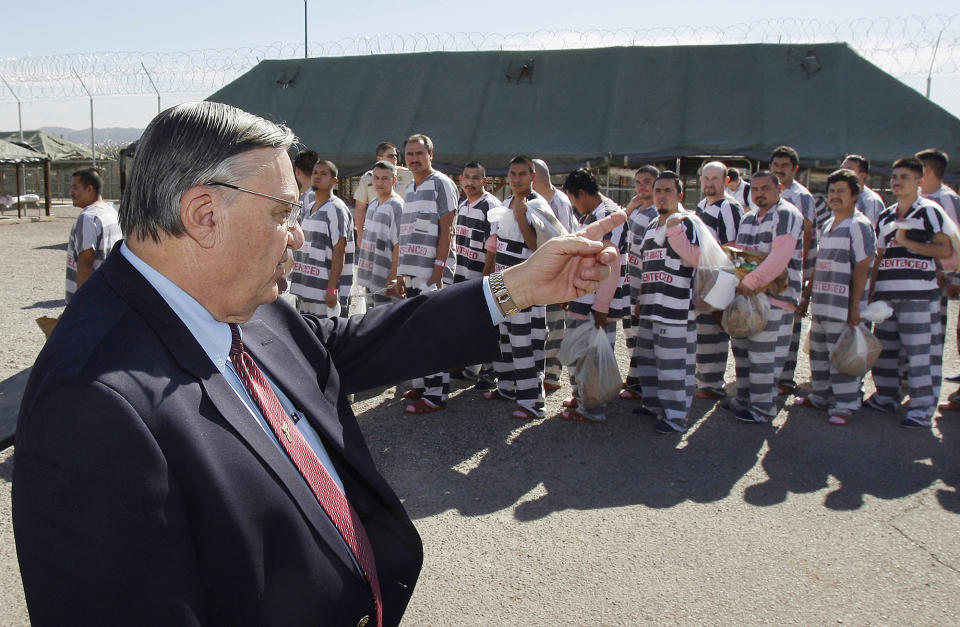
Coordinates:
609 105
12 153
55 148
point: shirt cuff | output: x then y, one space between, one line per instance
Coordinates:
495 316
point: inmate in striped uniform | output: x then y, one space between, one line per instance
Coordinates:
522 335
759 358
556 316
471 231
322 229
97 227
381 234
580 310
424 205
949 201
713 344
801 198
842 247
666 335
870 204
908 282
637 224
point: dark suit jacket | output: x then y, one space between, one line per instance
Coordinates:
145 493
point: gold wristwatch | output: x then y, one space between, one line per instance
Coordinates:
501 295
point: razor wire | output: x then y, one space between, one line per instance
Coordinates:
911 46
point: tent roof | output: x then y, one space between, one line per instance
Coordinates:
56 148
12 153
642 103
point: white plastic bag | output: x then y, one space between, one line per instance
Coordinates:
357 300
877 311
540 216
856 351
598 375
746 315
715 281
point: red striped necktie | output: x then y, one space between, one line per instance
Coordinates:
328 493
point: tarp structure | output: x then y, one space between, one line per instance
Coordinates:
55 148
12 153
600 105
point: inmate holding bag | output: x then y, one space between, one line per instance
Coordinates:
598 376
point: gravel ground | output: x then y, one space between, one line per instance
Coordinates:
797 522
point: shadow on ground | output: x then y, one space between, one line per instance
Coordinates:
474 459
62 246
46 304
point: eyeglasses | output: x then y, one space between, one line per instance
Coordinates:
296 208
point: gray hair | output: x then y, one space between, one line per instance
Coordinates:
188 145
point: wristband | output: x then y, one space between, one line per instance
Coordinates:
439 263
331 290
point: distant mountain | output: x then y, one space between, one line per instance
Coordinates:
100 135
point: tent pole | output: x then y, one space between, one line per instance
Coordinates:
47 200
19 191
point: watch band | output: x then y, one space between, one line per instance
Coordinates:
501 295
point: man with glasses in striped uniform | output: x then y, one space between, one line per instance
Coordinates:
471 232
667 332
775 229
426 238
379 247
837 292
910 240
323 268
722 214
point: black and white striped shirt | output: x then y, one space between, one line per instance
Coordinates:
97 227
870 204
381 233
842 247
511 248
948 200
637 225
905 275
423 207
757 234
620 303
471 231
721 217
666 280
322 229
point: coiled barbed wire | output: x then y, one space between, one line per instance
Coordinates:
903 46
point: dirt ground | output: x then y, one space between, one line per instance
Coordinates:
548 522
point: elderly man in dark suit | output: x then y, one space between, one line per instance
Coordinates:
185 453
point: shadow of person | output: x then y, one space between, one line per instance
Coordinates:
946 461
871 455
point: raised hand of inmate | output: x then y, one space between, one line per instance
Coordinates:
566 267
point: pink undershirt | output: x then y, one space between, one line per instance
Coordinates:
781 250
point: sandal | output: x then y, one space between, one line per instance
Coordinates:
524 414
412 394
569 402
803 401
630 395
422 406
784 390
550 386
494 395
839 419
574 416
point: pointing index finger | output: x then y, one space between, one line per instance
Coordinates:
596 230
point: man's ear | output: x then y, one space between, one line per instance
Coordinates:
198 215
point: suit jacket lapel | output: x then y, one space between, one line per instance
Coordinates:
131 286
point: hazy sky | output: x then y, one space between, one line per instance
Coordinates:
38 29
